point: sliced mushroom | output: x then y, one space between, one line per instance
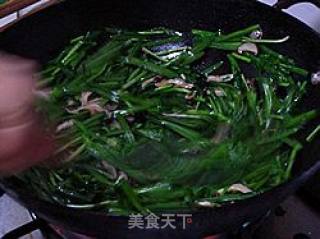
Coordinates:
121 176
248 47
93 108
219 92
131 119
109 169
206 204
147 82
71 102
162 83
315 78
84 99
181 83
191 95
177 82
220 78
65 125
93 105
239 188
256 34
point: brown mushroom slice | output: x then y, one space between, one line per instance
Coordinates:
191 95
220 78
206 204
93 108
147 82
219 92
256 34
235 188
178 82
315 78
109 169
92 105
248 47
85 97
65 125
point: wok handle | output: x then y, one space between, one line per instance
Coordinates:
284 4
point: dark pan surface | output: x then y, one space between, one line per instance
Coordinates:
42 36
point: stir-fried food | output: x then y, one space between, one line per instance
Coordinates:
162 120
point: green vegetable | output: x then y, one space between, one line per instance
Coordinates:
153 129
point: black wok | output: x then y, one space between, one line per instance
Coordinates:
41 36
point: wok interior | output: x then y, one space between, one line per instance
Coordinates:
43 36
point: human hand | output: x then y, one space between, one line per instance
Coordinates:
23 140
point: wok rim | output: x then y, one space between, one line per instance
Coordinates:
11 192
316 34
